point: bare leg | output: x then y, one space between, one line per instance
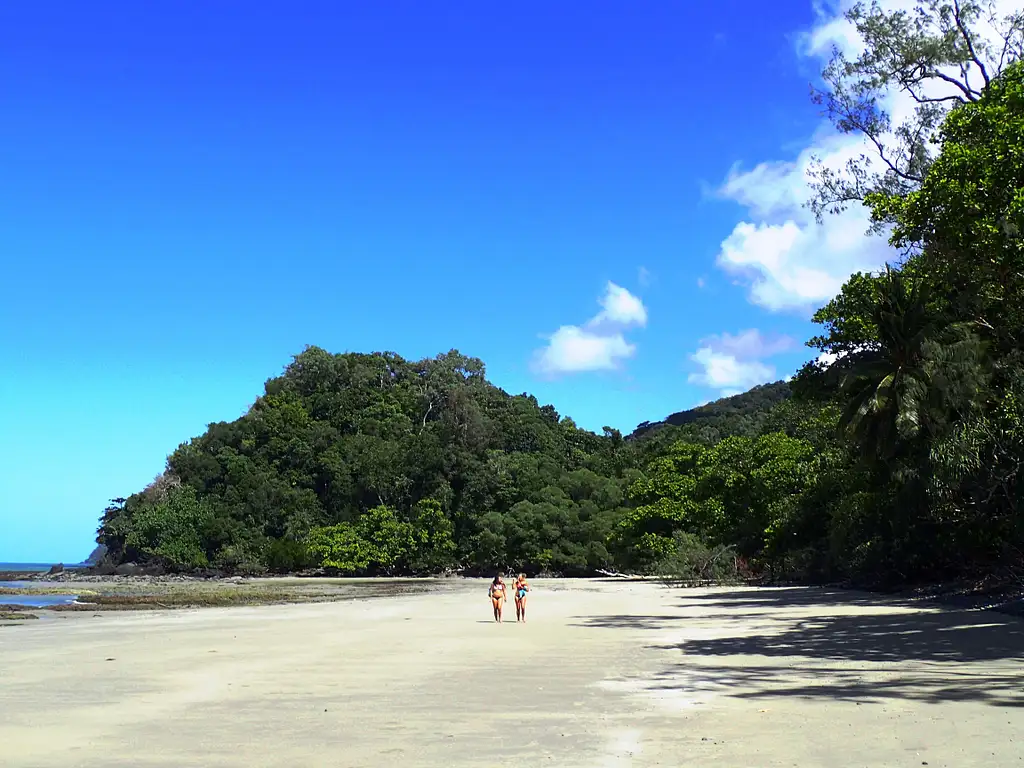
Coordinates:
522 608
500 603
496 604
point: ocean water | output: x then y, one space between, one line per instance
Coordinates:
30 601
25 567
33 567
37 601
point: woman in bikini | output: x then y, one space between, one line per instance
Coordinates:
521 587
497 595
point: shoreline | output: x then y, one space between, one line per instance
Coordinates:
94 592
111 594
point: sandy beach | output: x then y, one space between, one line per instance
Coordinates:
606 673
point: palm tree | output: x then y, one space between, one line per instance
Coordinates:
887 383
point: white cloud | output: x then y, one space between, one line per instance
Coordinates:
750 344
725 372
825 359
734 363
644 277
572 349
621 307
789 261
600 343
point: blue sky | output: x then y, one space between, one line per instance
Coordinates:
601 200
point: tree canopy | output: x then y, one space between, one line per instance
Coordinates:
371 463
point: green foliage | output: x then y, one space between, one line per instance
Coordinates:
928 357
287 555
171 529
434 546
975 485
967 218
849 317
736 493
379 542
340 547
884 385
690 561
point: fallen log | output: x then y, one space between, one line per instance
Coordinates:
617 575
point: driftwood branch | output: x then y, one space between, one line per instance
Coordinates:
617 575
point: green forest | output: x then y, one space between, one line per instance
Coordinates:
891 458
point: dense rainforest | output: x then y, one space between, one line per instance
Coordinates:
893 457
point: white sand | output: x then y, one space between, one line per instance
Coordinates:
604 674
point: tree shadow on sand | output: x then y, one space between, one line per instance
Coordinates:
845 652
860 685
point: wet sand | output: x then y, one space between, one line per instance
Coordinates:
606 673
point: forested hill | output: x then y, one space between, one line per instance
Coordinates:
369 462
742 414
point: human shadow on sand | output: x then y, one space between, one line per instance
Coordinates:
836 652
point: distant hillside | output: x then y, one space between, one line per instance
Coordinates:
742 414
96 556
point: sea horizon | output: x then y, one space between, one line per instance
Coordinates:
31 567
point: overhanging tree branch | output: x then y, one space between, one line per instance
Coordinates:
928 55
958 18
